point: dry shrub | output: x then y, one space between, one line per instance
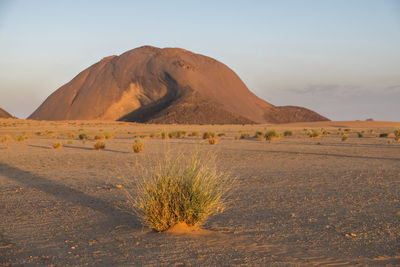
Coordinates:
108 136
195 134
180 190
212 141
208 135
99 137
359 134
83 136
314 134
164 136
221 134
288 133
100 145
5 139
137 146
19 138
381 135
271 135
344 138
57 145
244 135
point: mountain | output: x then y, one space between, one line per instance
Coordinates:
169 85
5 114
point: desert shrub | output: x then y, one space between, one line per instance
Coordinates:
164 135
108 136
57 145
179 191
137 146
397 133
19 138
347 130
258 134
152 135
195 134
221 134
69 142
236 137
244 135
83 136
288 133
271 135
344 138
208 135
71 135
5 138
99 137
383 135
314 133
99 145
212 141
325 132
177 134
359 134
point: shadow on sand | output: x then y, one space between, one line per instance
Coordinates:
115 216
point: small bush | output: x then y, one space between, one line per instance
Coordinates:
221 134
244 135
208 135
137 146
288 133
177 134
397 133
314 134
108 136
212 141
179 191
100 145
359 134
195 134
383 135
57 145
164 135
5 139
271 135
71 135
83 136
70 142
19 138
344 138
99 137
258 134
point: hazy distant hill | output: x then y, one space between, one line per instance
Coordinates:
169 85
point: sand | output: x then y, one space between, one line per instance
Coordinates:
297 200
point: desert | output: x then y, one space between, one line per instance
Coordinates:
297 200
199 133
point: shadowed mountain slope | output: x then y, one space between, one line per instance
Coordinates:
5 114
169 85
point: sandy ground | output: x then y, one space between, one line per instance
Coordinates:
297 200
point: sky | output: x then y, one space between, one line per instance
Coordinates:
340 58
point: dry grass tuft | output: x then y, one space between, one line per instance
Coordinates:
180 191
288 133
344 138
314 134
100 145
83 136
208 135
137 146
57 145
5 139
244 135
271 135
212 141
164 135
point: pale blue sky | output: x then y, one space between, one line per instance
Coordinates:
339 58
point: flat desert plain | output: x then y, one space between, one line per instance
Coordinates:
295 201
